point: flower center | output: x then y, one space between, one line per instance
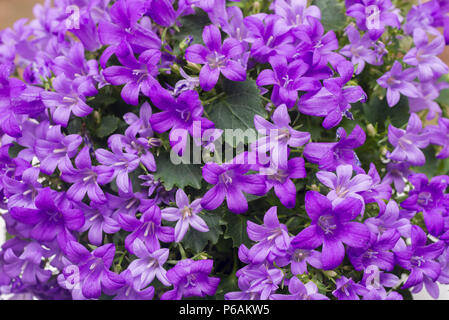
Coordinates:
417 260
425 198
370 254
274 233
150 228
226 178
184 114
270 41
186 212
284 135
279 176
191 281
300 255
327 224
341 191
217 60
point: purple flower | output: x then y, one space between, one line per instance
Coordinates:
230 180
86 178
191 279
99 219
359 49
162 12
424 56
420 259
376 281
121 162
94 273
279 135
269 36
439 135
427 93
343 185
189 83
74 66
280 177
271 237
66 99
295 12
397 82
186 214
52 218
389 220
139 124
52 149
377 253
334 100
148 229
331 227
347 289
124 26
315 45
379 191
136 75
148 265
129 290
429 198
287 80
181 115
298 260
408 142
257 282
27 266
374 22
216 58
22 192
299 291
329 155
397 173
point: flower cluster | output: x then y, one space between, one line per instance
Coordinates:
339 194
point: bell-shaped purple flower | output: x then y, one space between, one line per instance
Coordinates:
52 218
148 265
216 58
408 142
186 215
420 259
331 227
85 178
329 155
425 56
53 149
191 279
230 181
272 238
397 82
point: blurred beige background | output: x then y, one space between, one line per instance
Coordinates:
11 10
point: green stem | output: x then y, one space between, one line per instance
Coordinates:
181 250
218 96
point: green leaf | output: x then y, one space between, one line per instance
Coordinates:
14 150
108 125
192 25
196 240
377 111
180 175
237 109
444 97
332 14
236 229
